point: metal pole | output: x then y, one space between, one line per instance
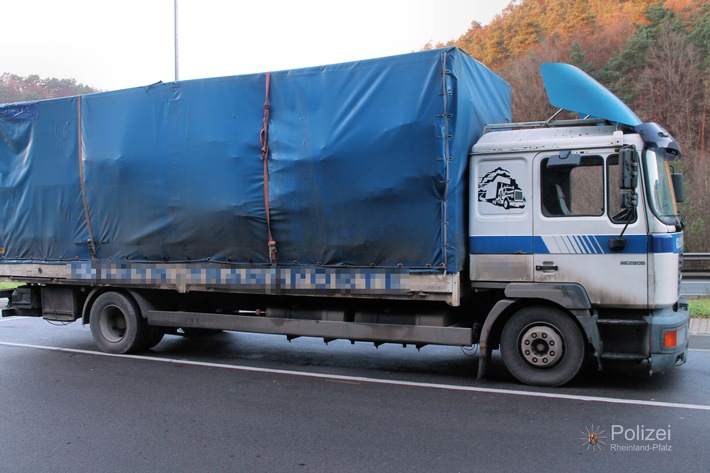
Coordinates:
177 65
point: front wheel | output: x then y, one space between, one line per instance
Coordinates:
117 325
542 346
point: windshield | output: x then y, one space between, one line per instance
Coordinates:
660 187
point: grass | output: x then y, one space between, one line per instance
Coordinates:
700 307
8 285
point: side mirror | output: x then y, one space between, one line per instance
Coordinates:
628 199
678 190
629 175
628 178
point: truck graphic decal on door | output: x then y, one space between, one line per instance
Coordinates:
499 188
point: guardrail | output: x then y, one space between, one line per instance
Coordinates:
696 265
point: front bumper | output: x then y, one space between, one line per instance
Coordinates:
668 331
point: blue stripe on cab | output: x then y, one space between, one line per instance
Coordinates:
665 243
501 244
574 244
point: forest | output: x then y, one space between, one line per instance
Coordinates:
654 54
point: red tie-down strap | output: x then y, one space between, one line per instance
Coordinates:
264 138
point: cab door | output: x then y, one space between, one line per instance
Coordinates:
500 238
577 224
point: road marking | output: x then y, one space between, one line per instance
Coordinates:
362 379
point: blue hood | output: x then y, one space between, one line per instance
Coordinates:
572 89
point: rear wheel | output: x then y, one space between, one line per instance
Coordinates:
542 346
117 325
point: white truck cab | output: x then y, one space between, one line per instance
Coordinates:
599 232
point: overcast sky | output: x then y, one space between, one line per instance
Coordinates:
117 44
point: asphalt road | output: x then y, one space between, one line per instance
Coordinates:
243 403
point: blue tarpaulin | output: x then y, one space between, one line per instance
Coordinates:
367 167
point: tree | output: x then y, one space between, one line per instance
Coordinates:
14 88
676 94
529 99
662 72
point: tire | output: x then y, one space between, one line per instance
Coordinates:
117 324
542 346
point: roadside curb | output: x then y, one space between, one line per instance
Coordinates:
699 326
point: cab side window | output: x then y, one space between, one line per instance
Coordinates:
572 186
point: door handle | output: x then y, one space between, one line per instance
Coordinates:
547 268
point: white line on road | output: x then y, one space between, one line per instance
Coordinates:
449 387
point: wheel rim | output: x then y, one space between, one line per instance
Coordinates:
113 324
541 346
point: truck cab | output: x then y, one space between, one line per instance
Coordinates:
599 237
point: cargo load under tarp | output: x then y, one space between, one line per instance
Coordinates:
366 167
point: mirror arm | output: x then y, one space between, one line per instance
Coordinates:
619 243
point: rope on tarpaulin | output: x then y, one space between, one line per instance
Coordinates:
82 181
264 138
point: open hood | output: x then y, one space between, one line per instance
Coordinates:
572 89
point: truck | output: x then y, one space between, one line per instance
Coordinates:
389 200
